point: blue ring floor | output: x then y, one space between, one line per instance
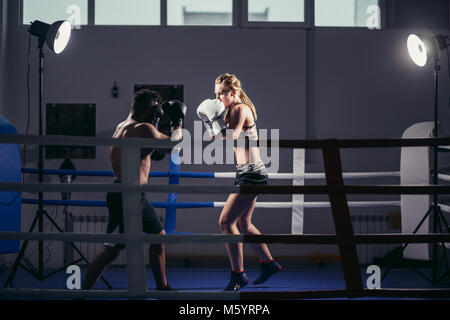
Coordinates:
208 279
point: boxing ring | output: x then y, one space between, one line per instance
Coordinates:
174 175
134 239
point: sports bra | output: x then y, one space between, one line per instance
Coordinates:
245 128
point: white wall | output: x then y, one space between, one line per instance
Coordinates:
270 64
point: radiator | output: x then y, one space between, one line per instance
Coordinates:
89 223
368 224
362 224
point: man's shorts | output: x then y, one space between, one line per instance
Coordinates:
251 174
152 222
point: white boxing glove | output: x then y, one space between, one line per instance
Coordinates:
211 112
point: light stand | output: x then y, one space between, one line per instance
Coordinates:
437 213
420 49
56 36
41 211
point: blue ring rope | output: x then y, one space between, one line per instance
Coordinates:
100 203
171 204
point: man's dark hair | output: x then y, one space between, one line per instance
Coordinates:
144 99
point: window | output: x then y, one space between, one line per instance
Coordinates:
255 13
200 12
347 13
50 11
276 10
127 12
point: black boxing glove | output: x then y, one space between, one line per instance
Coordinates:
159 114
164 125
157 155
176 111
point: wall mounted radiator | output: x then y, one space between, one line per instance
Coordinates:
375 223
362 224
88 223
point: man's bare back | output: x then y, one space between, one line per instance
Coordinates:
127 129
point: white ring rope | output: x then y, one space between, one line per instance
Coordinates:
318 176
320 204
445 177
444 207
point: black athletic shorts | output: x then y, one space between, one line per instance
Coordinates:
152 222
251 174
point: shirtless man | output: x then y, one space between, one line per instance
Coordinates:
146 119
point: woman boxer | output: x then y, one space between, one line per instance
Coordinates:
236 215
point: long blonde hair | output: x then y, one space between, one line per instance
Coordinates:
231 82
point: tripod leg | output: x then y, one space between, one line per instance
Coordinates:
28 266
444 248
71 243
399 255
41 245
423 220
445 221
20 256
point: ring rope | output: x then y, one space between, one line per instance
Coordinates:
222 238
196 143
102 294
220 189
186 174
190 205
214 295
335 188
444 177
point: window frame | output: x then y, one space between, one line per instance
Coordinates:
239 18
91 18
307 23
234 18
20 14
381 4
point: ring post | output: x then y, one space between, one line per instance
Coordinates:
137 283
174 178
342 219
